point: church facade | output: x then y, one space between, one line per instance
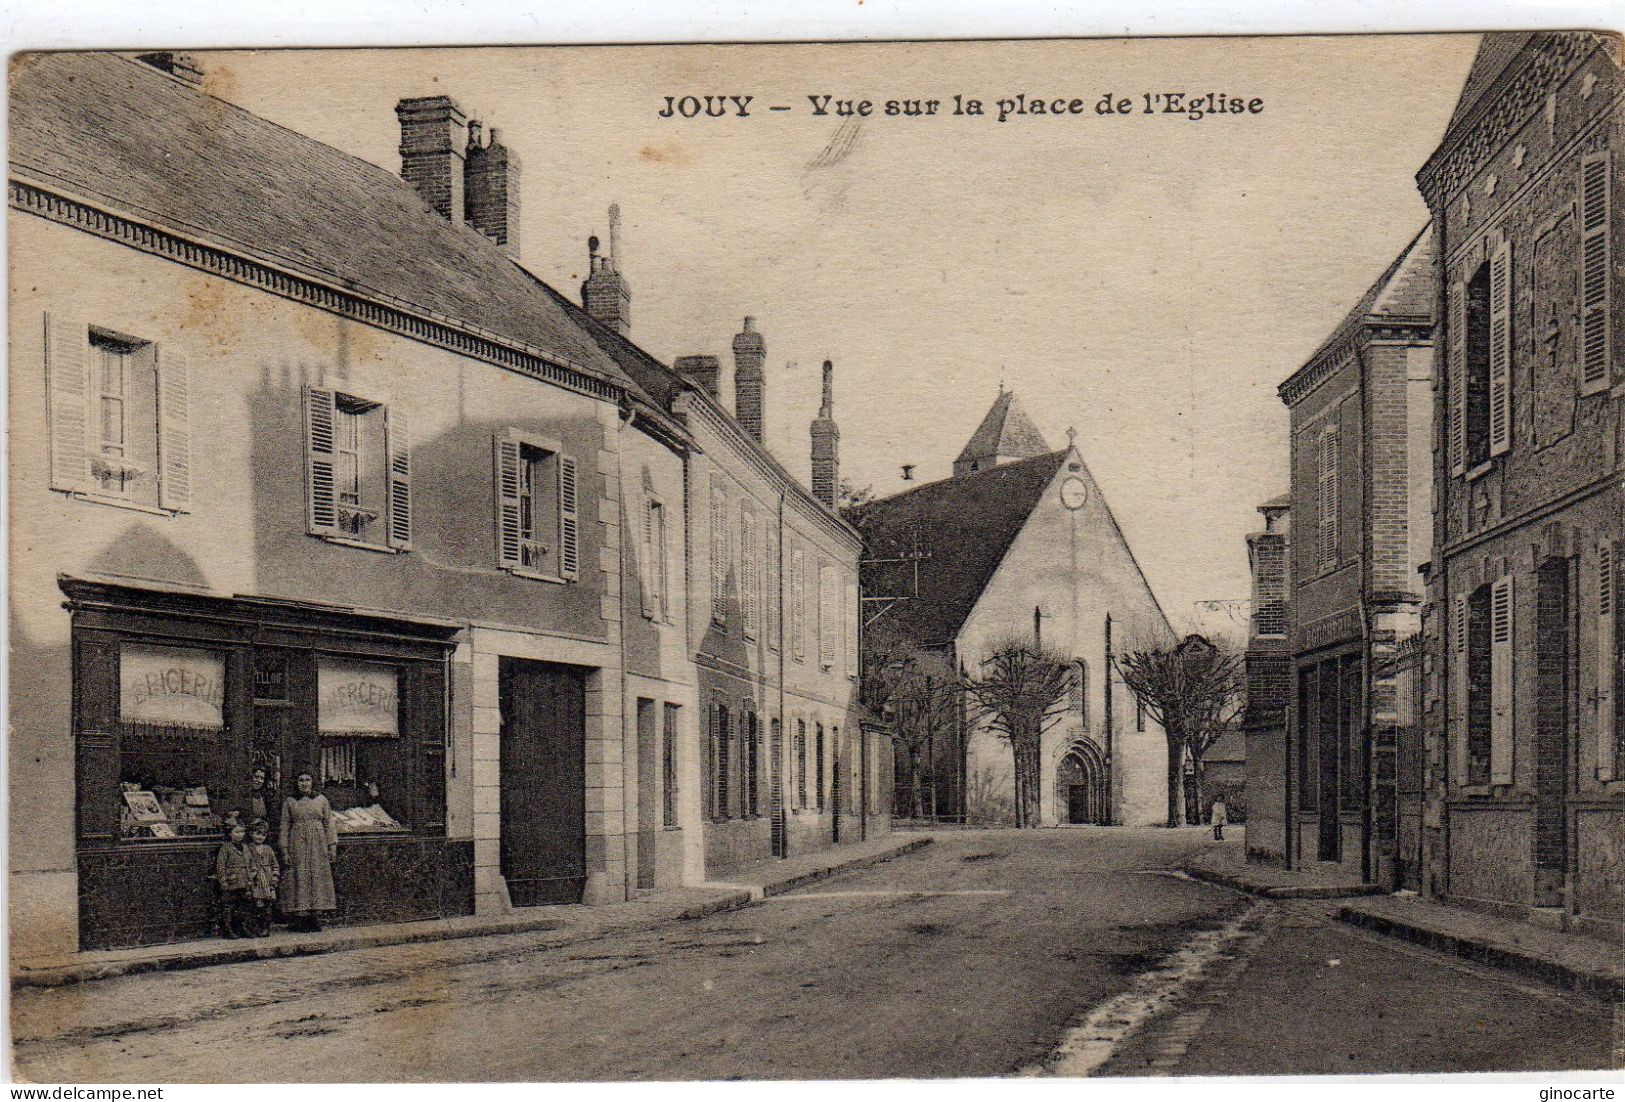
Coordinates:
1020 541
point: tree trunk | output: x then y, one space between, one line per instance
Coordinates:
1176 775
1196 783
1026 763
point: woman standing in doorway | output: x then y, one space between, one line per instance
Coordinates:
310 843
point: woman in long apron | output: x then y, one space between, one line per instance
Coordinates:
310 843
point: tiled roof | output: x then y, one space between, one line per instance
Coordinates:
118 132
1007 431
965 525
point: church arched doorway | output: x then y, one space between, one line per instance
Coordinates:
1080 785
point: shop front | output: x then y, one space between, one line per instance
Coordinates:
188 709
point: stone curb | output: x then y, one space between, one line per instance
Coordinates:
1279 891
87 971
1608 988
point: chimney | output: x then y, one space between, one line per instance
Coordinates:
826 441
606 296
750 384
434 136
704 372
183 67
491 189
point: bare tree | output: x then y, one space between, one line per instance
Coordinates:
904 684
1193 690
1022 689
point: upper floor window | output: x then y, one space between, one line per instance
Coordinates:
358 470
798 605
1481 363
750 572
654 561
119 416
538 514
719 554
1596 182
829 616
1327 501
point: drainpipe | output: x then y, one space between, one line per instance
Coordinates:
785 734
629 808
1111 788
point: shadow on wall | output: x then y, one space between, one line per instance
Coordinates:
140 553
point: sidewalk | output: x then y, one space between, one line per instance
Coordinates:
1225 864
1571 961
743 887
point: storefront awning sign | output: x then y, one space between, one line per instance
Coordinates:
354 698
171 687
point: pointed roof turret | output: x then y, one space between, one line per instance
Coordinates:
1005 435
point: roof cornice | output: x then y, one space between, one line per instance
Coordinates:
1336 352
148 235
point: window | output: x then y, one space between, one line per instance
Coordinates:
365 766
654 561
801 763
818 765
753 759
1595 184
668 765
1081 689
358 470
1326 497
829 616
750 571
171 730
719 554
1481 346
798 605
720 759
537 509
849 636
1474 628
119 413
775 585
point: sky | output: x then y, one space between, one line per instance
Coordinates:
1147 280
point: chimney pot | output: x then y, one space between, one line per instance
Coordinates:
491 188
606 295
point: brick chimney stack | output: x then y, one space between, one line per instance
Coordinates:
491 187
606 296
750 383
826 445
704 372
434 138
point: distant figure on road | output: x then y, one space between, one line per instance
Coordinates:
1221 816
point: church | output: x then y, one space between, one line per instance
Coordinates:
1019 542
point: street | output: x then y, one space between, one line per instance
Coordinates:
975 956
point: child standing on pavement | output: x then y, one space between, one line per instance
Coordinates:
1221 816
264 871
231 878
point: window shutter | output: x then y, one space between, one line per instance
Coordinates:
1501 681
320 412
398 446
849 637
650 568
798 604
719 554
1458 380
174 430
749 570
507 503
1607 601
569 520
1326 504
775 587
829 614
1595 184
1458 716
67 398
1501 349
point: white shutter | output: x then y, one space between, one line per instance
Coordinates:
1501 681
398 459
849 637
1607 620
174 430
719 553
798 604
67 399
775 587
506 451
1326 500
1595 185
1458 711
1457 406
1501 349
569 520
320 412
829 615
750 577
646 555
658 570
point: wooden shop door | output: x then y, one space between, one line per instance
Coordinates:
544 790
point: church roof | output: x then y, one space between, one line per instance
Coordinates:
1006 430
965 525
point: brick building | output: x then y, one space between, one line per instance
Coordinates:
1526 785
1268 659
1360 505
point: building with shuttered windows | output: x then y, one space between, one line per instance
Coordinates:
1523 662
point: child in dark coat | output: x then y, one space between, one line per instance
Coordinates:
264 871
232 879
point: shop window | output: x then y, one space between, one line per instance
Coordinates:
171 740
365 765
358 470
668 765
538 514
119 414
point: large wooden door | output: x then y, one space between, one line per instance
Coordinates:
544 792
